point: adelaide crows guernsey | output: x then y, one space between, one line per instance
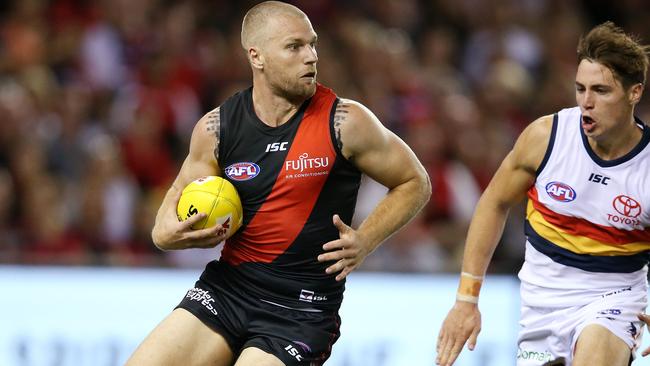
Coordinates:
291 179
588 219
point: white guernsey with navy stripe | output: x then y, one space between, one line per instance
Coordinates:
590 216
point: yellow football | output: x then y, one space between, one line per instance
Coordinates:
217 198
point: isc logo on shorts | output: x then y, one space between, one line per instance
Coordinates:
560 192
242 171
293 351
310 296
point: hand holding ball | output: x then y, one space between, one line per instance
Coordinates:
217 198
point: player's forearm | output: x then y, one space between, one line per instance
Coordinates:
483 236
397 208
158 233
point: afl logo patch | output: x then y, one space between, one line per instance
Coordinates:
242 171
560 192
627 206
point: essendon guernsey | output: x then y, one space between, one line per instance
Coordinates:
291 179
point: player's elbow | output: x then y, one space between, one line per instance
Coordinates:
426 187
423 184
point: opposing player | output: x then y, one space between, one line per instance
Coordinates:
295 152
585 172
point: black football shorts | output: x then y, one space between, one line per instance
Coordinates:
296 337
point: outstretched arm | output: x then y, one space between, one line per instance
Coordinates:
383 156
168 232
507 188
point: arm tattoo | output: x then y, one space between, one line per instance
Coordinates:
213 124
340 116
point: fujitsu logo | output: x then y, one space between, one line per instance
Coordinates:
305 162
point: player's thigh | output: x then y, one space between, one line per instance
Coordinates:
597 346
182 339
253 356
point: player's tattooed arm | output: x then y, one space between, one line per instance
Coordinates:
340 116
213 125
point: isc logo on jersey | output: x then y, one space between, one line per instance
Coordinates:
560 192
242 171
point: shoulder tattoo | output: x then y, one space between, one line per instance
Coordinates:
213 125
340 116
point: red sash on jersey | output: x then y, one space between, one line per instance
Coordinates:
304 172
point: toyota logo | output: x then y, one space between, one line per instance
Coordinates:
627 206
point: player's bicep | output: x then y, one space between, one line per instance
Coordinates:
389 161
518 170
202 157
510 182
377 151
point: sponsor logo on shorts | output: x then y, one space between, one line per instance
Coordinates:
607 314
243 171
310 296
202 296
610 312
560 192
617 291
543 356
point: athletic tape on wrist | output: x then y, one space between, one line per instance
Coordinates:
474 277
470 285
467 298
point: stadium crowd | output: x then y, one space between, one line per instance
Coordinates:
98 99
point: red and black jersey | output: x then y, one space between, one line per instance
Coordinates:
291 179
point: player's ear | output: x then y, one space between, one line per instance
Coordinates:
635 93
256 58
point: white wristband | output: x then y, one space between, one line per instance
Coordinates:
467 298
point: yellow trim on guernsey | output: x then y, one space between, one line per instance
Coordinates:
579 244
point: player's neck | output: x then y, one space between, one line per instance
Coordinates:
617 144
273 109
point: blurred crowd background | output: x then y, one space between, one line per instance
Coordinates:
98 100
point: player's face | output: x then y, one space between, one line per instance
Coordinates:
290 62
604 103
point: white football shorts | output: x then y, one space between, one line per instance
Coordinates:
549 333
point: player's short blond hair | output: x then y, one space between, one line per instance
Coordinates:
256 19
